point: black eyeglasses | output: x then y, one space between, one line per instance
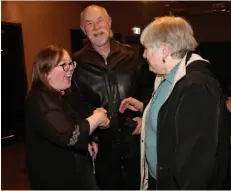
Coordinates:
66 66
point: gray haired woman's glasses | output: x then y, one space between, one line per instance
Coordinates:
66 66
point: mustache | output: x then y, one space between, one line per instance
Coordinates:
100 31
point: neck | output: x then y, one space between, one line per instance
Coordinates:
103 50
171 63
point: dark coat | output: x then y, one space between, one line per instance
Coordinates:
105 82
192 132
51 162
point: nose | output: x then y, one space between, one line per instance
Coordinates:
71 67
96 26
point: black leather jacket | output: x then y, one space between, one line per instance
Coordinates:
105 82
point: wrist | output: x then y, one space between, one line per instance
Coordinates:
93 121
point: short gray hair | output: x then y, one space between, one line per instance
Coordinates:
174 31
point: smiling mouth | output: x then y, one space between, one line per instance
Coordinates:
98 34
68 75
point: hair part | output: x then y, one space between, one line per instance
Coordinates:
44 62
176 32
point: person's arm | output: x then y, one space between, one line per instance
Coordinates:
197 137
60 130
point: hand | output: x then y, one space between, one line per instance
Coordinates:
105 124
100 109
137 131
103 119
132 104
93 149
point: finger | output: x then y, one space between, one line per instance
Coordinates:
95 148
136 130
139 132
90 149
123 105
101 125
138 127
122 109
131 107
102 110
107 124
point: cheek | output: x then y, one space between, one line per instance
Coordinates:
151 58
89 32
56 78
155 61
105 26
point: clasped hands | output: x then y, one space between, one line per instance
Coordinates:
128 103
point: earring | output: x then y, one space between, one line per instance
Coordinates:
163 60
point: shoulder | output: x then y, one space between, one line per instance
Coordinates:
126 47
78 54
201 86
43 99
201 73
199 80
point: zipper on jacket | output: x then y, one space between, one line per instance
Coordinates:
105 59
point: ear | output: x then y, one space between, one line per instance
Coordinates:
165 50
109 21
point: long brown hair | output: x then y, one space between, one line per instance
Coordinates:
45 60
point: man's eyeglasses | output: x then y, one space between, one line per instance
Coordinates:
66 66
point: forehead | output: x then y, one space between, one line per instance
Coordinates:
93 13
66 56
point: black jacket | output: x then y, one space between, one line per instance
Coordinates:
51 162
105 83
192 133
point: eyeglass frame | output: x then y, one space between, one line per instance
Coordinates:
68 65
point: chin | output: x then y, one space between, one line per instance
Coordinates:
67 86
100 42
151 70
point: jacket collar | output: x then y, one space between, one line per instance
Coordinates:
97 59
114 46
181 71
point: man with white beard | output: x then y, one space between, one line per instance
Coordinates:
106 73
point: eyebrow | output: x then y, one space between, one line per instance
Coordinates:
100 17
65 60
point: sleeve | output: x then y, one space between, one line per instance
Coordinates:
60 130
197 137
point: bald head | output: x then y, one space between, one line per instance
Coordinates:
92 9
96 24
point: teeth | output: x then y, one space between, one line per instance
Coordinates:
69 75
97 34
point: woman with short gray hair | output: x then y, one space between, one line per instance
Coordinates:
184 137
